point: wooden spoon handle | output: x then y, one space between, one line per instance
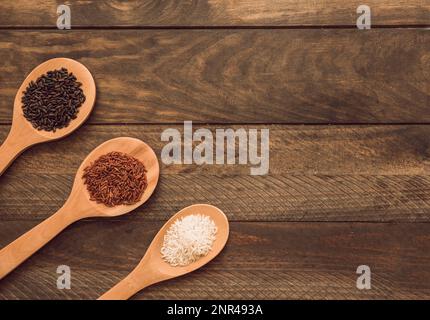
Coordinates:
122 290
22 248
130 285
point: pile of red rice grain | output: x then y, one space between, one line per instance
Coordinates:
115 179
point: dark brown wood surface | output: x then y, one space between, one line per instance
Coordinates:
262 261
348 114
237 76
224 13
317 173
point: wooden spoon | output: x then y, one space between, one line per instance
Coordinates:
153 269
22 134
79 205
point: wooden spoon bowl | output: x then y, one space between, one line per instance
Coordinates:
136 148
22 134
79 206
153 269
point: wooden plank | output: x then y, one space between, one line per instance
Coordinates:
317 173
237 76
261 261
225 13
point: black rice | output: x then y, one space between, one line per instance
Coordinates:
53 100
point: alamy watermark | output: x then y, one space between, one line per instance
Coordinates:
364 21
364 280
64 20
64 281
230 147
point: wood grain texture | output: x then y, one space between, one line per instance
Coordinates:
261 261
317 173
336 197
237 76
96 13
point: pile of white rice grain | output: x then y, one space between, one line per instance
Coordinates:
188 239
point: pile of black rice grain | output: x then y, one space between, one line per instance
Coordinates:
53 100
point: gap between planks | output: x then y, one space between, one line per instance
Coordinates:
241 27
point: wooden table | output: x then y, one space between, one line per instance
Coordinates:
348 113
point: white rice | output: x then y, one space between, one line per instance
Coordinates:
188 239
